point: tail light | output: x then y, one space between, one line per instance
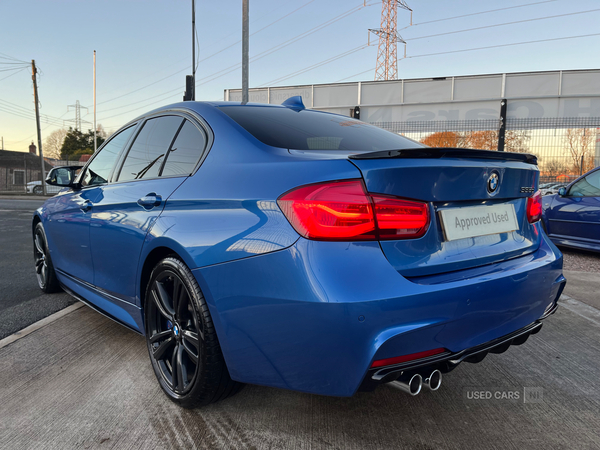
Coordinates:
397 218
343 210
534 207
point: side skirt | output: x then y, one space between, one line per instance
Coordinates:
121 311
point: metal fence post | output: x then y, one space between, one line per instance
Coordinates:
502 130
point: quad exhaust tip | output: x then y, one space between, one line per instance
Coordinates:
434 381
413 386
415 383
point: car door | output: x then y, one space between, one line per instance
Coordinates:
68 223
149 174
577 214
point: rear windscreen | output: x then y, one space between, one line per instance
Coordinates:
313 130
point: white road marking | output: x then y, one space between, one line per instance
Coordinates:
39 324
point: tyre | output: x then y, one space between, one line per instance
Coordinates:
181 338
37 190
44 270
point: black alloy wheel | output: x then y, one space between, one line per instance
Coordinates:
182 343
44 270
37 190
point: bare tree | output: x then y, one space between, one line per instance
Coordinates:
555 167
579 143
101 132
514 140
54 142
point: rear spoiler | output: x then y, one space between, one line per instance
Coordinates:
439 152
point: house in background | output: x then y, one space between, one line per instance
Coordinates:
19 168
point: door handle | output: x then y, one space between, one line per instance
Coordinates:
150 200
86 206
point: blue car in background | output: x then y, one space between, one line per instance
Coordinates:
572 217
279 246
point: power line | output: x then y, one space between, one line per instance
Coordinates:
24 115
14 73
8 69
355 75
267 52
33 135
204 59
152 101
143 87
258 31
415 56
234 67
504 45
24 110
482 12
503 24
314 66
306 33
5 56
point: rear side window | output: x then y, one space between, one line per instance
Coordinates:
587 187
312 130
146 156
99 169
185 151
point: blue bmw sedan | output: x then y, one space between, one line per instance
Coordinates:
572 217
298 249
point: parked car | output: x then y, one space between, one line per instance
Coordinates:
552 189
572 217
35 187
298 249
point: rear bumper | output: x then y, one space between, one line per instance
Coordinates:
448 361
314 317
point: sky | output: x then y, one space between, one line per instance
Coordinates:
144 49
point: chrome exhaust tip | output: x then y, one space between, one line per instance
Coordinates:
413 386
434 380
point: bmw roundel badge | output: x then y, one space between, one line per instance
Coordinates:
493 183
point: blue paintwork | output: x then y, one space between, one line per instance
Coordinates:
68 232
290 318
460 182
573 221
119 226
287 309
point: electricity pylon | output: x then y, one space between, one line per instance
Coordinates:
387 57
77 119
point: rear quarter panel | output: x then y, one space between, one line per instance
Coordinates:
228 209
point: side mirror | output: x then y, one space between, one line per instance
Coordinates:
562 191
63 176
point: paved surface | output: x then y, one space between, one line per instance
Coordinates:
581 261
86 382
82 381
583 286
21 301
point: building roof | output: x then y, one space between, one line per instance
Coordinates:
10 158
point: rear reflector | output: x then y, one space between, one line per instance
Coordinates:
534 207
406 358
342 210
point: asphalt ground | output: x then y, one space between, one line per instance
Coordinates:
21 301
83 381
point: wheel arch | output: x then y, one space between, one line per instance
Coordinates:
34 222
157 253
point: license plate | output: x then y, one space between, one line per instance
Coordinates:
472 221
